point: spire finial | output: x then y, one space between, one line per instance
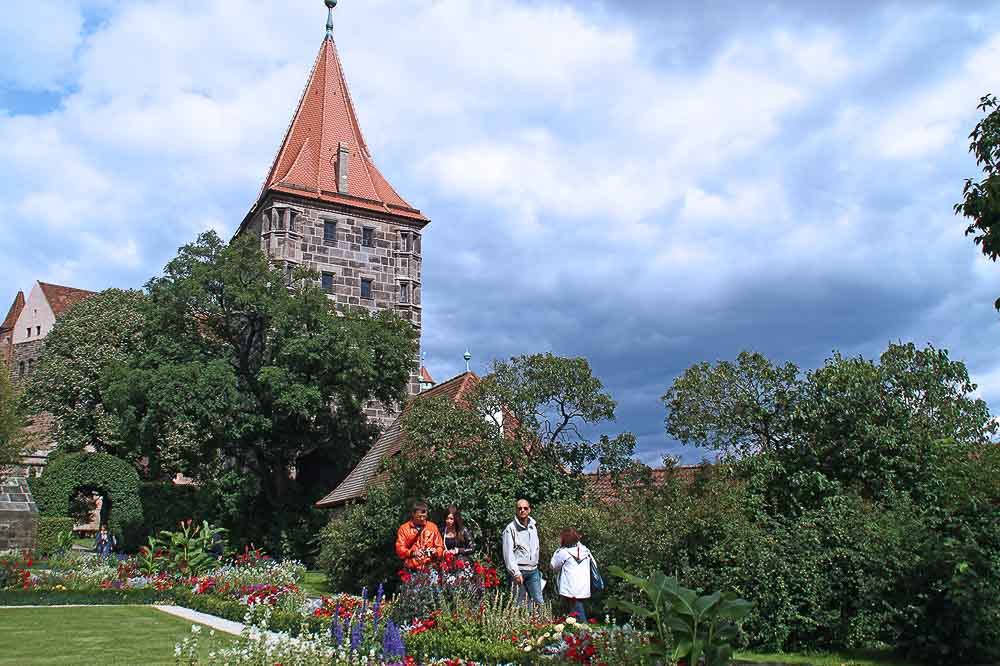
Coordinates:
330 4
468 357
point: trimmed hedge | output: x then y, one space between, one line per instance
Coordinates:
165 505
49 529
95 597
111 476
233 609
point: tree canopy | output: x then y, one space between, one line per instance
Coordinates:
255 387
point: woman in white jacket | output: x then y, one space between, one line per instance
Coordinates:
572 563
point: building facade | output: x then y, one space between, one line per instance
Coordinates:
326 207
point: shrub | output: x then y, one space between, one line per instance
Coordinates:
430 644
112 477
51 533
85 597
166 505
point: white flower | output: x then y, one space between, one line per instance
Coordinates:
527 648
558 628
177 650
571 620
195 628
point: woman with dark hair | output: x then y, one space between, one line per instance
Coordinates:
572 561
457 538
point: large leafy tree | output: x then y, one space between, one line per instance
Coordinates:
93 336
255 388
853 424
12 422
981 199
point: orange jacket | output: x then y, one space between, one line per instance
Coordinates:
410 539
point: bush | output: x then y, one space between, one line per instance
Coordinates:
91 597
50 528
430 644
357 548
235 610
114 478
165 505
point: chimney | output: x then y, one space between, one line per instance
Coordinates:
343 154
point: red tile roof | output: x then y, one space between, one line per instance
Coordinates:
425 376
390 443
63 298
13 313
306 164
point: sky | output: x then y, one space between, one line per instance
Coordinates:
644 183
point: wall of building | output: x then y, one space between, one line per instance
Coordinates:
36 318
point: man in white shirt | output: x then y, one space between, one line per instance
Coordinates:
520 554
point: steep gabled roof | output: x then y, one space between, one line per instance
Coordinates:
63 298
390 443
13 313
306 164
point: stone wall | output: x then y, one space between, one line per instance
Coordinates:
18 515
26 353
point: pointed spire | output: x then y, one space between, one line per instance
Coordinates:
324 155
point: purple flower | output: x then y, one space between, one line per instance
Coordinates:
392 642
337 631
355 634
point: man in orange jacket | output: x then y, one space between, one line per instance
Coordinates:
418 541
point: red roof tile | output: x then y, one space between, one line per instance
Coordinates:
425 376
306 164
390 443
603 487
63 298
13 313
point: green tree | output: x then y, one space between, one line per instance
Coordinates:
93 336
256 388
12 422
981 200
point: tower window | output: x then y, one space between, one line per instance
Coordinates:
38 330
404 293
329 230
366 288
292 217
407 241
20 369
368 237
289 276
29 331
328 282
31 365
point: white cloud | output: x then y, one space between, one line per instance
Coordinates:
37 43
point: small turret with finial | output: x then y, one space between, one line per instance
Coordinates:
468 357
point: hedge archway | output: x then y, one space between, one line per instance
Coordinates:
114 478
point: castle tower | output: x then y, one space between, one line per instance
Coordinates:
325 206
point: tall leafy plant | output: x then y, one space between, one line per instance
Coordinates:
697 626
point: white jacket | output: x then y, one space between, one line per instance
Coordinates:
573 564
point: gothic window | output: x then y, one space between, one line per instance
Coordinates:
368 237
279 222
366 288
404 293
328 282
407 241
329 231
416 243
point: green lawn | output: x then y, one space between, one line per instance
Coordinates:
849 658
315 584
94 635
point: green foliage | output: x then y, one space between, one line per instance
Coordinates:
93 336
243 380
186 551
12 421
55 535
82 597
229 608
165 505
112 477
431 644
981 200
357 546
697 626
